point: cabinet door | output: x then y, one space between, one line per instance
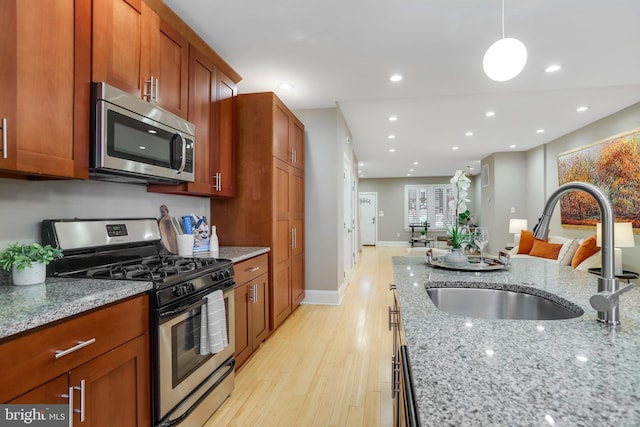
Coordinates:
223 153
243 320
260 309
121 44
37 83
296 133
171 68
116 386
280 294
281 132
297 251
49 393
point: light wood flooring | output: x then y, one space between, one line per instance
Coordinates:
326 365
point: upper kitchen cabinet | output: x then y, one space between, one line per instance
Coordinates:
211 110
136 50
288 137
44 81
223 150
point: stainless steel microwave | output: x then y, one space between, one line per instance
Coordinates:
135 141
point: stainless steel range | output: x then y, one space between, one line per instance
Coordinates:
192 308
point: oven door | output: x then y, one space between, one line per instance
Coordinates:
182 369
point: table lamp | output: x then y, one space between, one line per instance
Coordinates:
622 238
517 225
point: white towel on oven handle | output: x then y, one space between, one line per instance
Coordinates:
213 324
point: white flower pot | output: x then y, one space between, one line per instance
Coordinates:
455 258
30 276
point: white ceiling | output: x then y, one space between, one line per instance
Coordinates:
341 52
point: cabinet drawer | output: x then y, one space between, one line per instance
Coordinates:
30 359
248 270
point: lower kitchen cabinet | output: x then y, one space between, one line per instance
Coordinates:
104 366
251 306
405 412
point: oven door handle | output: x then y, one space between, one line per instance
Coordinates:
180 310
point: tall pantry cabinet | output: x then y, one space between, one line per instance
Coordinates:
269 207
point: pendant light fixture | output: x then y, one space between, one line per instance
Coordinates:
506 58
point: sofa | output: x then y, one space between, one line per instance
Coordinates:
581 254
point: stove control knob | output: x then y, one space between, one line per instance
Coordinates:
225 273
178 290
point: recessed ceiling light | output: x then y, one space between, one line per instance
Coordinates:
582 108
410 170
469 133
395 78
393 118
142 147
361 164
408 174
392 150
392 137
286 86
490 113
552 68
415 163
455 148
512 146
540 131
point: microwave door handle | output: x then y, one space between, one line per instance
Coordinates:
183 152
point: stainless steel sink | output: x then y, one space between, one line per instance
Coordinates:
499 304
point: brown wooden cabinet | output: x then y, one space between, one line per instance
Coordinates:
137 51
223 149
251 306
44 81
108 364
269 207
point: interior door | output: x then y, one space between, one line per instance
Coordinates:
368 223
347 219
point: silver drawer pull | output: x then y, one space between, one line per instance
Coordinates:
81 344
4 138
252 269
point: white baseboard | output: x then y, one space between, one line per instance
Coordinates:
323 297
401 243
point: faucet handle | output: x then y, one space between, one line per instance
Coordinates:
605 301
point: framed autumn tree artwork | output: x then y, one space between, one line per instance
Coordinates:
613 165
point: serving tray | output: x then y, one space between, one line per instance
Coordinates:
492 264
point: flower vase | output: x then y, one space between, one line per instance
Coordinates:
455 258
30 275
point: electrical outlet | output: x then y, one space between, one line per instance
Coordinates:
513 210
397 234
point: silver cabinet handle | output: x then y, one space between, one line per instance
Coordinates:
157 91
81 410
81 344
218 178
255 294
149 92
70 404
252 269
4 137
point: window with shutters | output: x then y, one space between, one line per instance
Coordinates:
428 203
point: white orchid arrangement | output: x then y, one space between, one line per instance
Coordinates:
460 183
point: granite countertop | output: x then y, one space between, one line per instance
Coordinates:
26 307
481 372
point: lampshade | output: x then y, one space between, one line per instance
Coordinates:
517 225
622 235
504 59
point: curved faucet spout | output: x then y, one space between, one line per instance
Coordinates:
607 282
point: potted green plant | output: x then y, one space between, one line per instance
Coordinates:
28 262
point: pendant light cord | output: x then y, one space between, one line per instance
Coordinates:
502 18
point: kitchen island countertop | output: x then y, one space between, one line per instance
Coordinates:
481 372
27 307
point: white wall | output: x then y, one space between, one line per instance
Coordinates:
326 142
24 204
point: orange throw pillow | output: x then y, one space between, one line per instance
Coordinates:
543 249
526 242
586 249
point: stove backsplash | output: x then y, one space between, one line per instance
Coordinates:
24 204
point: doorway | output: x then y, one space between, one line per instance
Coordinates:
368 224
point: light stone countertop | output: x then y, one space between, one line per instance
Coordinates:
26 307
481 372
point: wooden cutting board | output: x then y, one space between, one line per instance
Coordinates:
167 231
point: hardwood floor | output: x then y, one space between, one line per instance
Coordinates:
326 365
